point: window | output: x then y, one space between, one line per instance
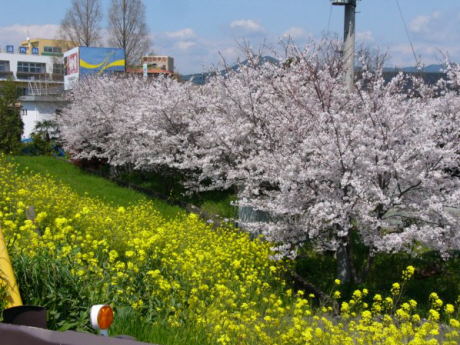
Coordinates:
52 49
58 68
4 66
31 67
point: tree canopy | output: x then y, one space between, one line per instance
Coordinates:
11 125
325 163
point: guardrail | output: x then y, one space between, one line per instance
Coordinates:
19 335
43 91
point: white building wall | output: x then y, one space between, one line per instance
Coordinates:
36 111
35 107
15 58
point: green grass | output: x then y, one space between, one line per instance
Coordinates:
219 203
86 184
128 322
169 184
433 273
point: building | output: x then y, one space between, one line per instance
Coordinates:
164 63
39 76
45 47
151 72
153 66
42 67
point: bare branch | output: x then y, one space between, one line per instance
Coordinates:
128 30
81 23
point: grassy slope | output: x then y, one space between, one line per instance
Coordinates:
87 184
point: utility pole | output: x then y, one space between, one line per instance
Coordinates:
348 40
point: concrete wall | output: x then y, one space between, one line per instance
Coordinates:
38 108
15 58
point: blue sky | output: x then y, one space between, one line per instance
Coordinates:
198 32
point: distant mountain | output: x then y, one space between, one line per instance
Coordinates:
413 69
200 78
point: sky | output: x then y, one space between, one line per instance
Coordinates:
200 33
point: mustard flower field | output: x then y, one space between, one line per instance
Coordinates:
72 251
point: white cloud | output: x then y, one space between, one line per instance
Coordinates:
418 24
401 55
421 24
436 27
14 34
434 37
183 34
295 33
248 25
365 36
185 45
230 54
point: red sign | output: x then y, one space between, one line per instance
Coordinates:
72 63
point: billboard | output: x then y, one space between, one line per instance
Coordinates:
99 60
71 66
82 61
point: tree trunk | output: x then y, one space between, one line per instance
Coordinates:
344 269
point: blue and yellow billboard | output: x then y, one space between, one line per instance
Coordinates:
99 60
83 61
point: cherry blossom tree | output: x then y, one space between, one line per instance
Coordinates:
326 164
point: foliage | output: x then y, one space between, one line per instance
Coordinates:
48 280
169 184
47 129
44 140
85 184
3 295
128 321
328 165
434 273
11 125
183 276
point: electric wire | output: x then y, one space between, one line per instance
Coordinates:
407 33
329 20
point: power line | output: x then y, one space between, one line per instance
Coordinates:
407 33
329 20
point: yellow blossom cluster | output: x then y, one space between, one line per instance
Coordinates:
184 271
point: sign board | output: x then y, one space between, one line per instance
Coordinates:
145 70
101 60
35 51
83 61
22 50
71 66
10 49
